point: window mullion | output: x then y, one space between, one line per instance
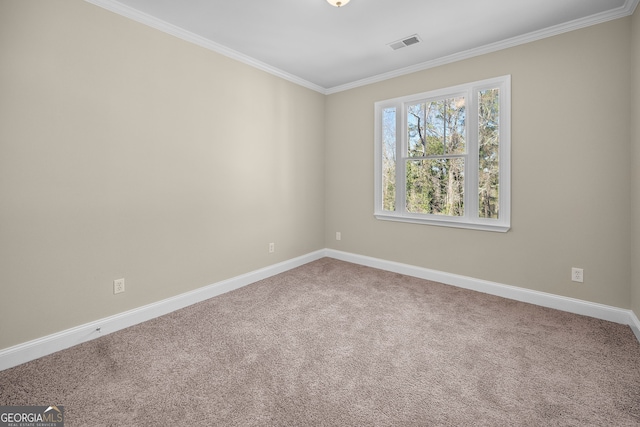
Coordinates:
471 162
401 156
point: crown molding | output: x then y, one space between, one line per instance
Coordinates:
116 7
625 10
151 21
630 6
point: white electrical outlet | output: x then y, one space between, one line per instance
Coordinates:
272 248
118 286
577 275
338 235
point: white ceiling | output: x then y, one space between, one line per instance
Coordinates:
330 49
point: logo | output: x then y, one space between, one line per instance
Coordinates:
31 416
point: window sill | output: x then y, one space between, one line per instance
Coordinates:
446 222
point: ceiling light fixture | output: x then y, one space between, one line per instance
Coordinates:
338 3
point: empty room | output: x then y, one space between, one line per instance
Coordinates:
320 212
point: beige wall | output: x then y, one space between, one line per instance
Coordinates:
635 169
570 162
126 152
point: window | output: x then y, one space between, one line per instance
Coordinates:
443 157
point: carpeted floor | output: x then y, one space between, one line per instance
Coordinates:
336 344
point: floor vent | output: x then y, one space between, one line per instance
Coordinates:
407 41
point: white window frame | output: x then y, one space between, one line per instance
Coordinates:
471 218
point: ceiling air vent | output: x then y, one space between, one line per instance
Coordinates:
407 41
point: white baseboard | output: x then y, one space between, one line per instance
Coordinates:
571 305
34 349
635 325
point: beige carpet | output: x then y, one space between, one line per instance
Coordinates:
337 344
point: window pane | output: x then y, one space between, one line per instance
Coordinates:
436 128
415 129
436 186
454 126
389 159
488 141
440 130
